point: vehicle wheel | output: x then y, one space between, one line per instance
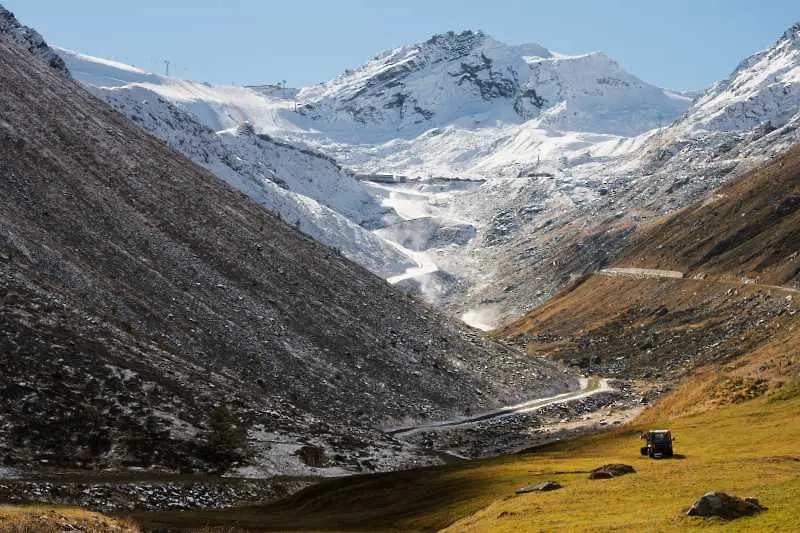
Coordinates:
668 454
643 450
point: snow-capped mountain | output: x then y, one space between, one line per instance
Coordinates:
556 204
217 107
764 90
744 119
307 189
572 215
562 155
470 79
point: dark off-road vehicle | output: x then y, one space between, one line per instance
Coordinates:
659 443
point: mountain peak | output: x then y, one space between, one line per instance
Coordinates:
461 44
791 34
472 79
457 44
463 36
762 90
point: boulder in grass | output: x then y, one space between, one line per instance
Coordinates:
726 506
611 470
541 487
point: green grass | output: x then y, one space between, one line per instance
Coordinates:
747 449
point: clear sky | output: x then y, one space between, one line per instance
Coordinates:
678 44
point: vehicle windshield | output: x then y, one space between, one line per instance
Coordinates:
660 438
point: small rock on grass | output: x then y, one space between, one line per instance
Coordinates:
541 487
611 470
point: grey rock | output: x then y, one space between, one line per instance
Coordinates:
611 470
541 487
313 456
725 505
30 39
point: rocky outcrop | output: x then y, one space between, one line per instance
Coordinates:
30 39
428 232
313 456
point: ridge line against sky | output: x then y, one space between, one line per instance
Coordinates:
681 44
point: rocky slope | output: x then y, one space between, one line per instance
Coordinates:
28 38
153 316
303 187
746 231
737 250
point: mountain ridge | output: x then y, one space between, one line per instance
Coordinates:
736 250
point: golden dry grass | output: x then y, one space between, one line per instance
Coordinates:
749 450
57 519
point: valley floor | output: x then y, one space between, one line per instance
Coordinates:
747 449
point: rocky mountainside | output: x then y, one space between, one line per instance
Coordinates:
747 231
733 311
153 316
471 79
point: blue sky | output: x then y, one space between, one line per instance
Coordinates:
676 44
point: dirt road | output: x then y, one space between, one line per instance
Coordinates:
674 274
589 386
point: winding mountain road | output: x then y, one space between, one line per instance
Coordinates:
589 386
